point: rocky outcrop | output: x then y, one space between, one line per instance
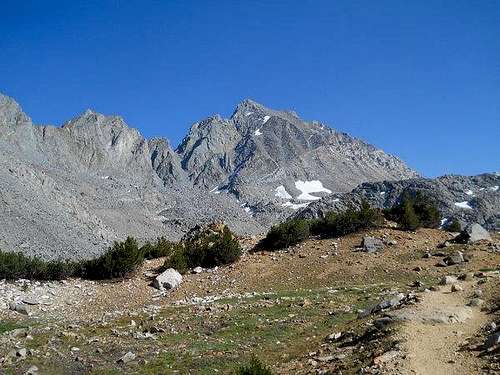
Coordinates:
474 199
473 233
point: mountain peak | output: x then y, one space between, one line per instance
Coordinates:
11 112
246 106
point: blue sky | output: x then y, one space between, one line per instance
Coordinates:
419 79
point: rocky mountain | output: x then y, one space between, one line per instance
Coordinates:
468 199
69 191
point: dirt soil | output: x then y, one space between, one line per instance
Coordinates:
278 306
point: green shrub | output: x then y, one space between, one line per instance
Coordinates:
120 260
413 212
349 221
205 249
177 260
18 266
161 248
454 226
286 234
254 367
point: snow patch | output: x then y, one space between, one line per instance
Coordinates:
443 222
469 192
258 132
382 193
295 206
248 114
281 192
464 205
308 187
494 188
266 119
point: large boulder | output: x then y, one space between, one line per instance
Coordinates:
472 233
372 244
167 280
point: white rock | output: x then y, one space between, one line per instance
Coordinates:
167 280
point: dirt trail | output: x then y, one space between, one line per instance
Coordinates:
434 330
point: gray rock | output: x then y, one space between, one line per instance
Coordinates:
476 302
473 233
197 270
372 244
448 280
456 258
167 280
21 308
128 357
456 288
33 370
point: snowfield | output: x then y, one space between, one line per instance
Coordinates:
464 205
308 187
281 192
258 132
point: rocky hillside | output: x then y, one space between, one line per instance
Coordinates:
468 199
67 192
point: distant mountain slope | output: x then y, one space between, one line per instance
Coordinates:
70 191
468 199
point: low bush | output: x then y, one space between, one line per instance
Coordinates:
205 249
454 226
414 211
286 234
120 260
349 221
161 248
254 367
19 266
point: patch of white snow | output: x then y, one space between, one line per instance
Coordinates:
281 192
248 114
469 192
308 187
258 132
464 205
494 188
266 119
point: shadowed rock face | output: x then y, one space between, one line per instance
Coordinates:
474 199
68 192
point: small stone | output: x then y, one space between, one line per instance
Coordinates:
476 302
197 270
33 370
456 288
478 293
21 308
448 280
128 357
334 336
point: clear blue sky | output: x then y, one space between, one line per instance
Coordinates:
420 79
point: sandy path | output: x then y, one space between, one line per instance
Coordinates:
434 330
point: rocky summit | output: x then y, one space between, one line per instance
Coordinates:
70 191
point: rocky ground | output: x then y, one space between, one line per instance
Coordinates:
321 307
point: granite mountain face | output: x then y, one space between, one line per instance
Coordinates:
69 191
